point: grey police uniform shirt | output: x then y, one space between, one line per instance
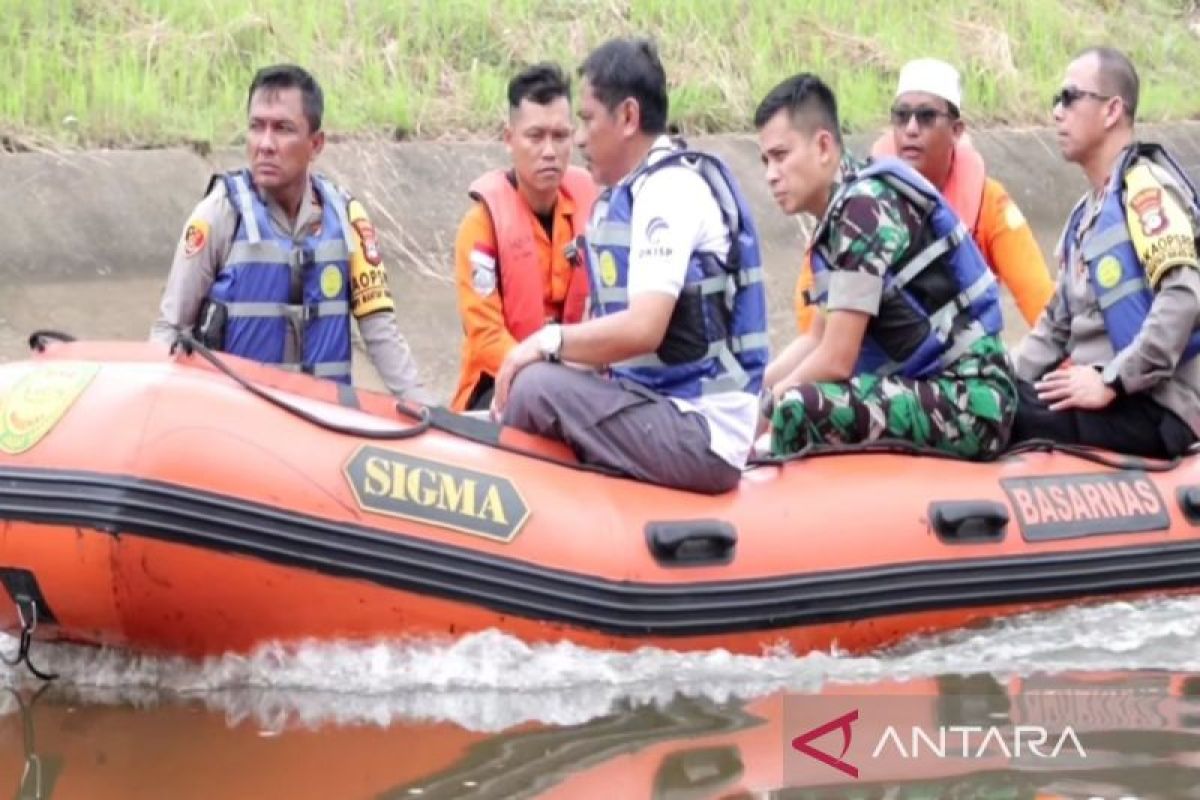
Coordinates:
1073 326
194 269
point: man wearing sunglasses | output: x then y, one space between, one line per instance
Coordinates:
276 260
1112 361
927 131
907 345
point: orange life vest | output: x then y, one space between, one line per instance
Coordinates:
964 185
520 275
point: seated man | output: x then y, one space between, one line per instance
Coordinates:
1127 303
678 302
927 132
276 259
908 343
516 263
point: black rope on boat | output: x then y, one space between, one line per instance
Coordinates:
39 339
189 345
901 447
28 615
428 418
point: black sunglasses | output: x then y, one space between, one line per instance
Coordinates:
1067 96
925 115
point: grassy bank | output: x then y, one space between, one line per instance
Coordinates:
150 72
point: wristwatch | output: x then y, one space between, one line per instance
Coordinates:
766 402
549 342
1112 379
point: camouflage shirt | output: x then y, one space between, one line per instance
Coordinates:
866 230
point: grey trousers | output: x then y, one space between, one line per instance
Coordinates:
620 425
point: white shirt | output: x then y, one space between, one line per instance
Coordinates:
674 215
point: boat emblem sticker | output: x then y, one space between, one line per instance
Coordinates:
1070 506
399 485
36 402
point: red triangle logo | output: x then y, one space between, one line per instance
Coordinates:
802 743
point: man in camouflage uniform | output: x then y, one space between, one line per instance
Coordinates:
872 367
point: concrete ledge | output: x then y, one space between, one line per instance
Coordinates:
86 238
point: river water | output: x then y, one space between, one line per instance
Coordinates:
1111 691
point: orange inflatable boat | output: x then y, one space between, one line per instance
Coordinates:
153 501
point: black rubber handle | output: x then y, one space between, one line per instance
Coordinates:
969 520
1189 501
692 542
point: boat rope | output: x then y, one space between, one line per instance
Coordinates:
1104 458
38 339
27 613
441 419
189 345
464 427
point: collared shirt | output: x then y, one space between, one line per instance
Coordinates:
870 233
205 244
675 215
1073 325
479 291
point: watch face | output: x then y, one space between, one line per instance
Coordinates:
550 340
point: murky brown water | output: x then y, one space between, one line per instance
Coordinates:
1133 735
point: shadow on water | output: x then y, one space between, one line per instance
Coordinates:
1077 735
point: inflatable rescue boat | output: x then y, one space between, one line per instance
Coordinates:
197 504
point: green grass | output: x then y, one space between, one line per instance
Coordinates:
153 72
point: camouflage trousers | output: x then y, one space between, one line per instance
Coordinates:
967 411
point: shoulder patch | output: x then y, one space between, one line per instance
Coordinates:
195 237
366 232
1147 204
1013 218
483 270
1160 227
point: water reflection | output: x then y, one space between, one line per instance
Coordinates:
1139 734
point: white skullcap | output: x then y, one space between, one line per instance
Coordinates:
934 77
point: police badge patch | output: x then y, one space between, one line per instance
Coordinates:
483 270
1147 204
370 244
195 237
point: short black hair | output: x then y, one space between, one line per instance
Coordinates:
290 76
629 68
1118 77
809 102
540 83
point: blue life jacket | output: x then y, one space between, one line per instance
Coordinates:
1115 273
942 286
270 283
716 340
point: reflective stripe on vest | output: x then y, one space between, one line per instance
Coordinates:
277 291
728 285
952 249
1125 296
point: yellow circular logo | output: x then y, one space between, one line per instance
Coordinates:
32 406
608 269
331 282
1108 274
